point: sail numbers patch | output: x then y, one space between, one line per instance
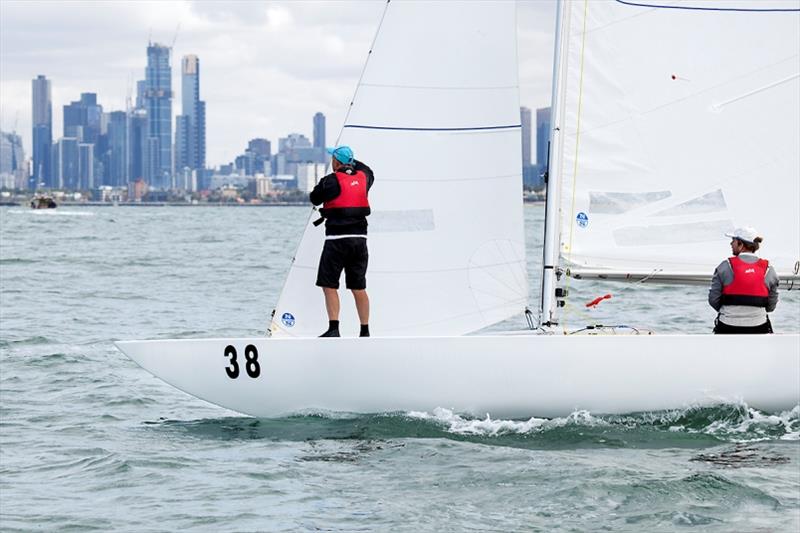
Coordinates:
287 319
251 366
582 219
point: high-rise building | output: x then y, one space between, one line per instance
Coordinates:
66 158
262 151
535 178
82 118
12 156
141 89
294 150
13 170
292 142
137 146
183 144
525 120
542 135
117 165
190 138
42 133
86 166
158 102
319 131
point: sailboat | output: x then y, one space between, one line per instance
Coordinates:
667 123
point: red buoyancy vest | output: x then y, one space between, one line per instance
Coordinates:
748 286
354 191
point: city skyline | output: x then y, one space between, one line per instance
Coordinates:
266 67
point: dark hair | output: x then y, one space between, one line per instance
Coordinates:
752 246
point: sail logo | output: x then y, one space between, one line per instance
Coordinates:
287 319
582 219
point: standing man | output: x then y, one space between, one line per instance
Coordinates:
345 207
744 288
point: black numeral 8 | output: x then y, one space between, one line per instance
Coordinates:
252 366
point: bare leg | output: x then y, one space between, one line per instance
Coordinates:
362 305
332 302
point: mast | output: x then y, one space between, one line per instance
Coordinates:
553 173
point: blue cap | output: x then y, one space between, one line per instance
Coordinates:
343 154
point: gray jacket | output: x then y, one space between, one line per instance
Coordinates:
741 315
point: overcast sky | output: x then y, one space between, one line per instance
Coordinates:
265 66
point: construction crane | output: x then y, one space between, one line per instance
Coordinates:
175 38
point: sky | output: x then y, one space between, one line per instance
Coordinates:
265 66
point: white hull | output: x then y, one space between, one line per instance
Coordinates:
505 376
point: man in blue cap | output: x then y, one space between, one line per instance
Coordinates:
345 207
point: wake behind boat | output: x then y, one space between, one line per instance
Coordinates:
652 151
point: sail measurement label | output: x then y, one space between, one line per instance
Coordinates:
251 365
582 219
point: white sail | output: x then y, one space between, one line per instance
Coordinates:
681 121
436 116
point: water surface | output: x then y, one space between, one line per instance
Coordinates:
89 441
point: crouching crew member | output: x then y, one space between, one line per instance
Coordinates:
345 207
744 287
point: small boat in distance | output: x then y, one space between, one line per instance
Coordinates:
42 201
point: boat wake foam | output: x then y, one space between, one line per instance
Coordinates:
51 213
728 422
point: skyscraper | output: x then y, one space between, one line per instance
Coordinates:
261 150
137 146
66 156
190 138
141 89
116 171
525 120
86 166
158 102
82 118
542 140
42 133
542 135
12 156
12 162
319 130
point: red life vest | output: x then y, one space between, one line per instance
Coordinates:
748 286
354 191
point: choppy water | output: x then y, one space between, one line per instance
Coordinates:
89 441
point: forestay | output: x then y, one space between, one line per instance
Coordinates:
681 120
436 115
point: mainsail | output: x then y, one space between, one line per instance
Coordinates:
436 116
674 122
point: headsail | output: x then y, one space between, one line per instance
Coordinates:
436 116
680 121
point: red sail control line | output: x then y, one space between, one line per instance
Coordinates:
597 300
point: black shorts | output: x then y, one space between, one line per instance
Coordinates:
723 328
350 254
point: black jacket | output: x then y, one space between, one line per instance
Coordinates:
342 221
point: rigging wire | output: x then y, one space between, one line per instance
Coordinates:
567 306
